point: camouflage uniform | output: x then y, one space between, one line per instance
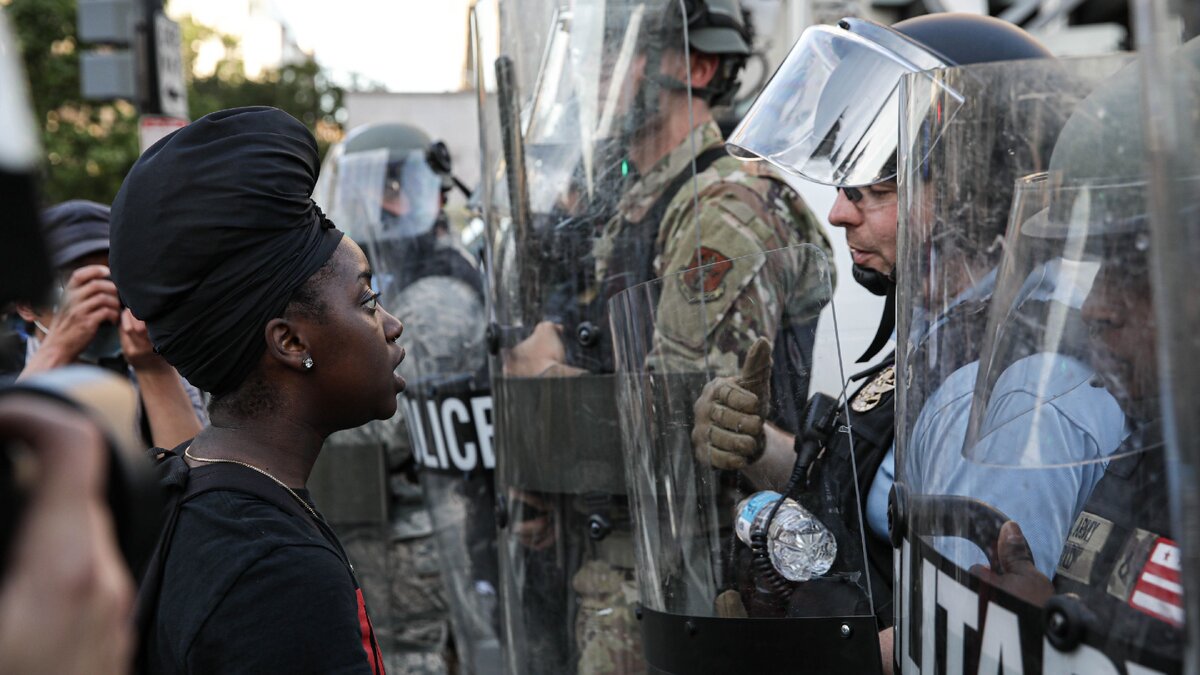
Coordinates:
745 208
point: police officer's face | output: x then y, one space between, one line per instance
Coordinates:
395 201
869 217
1120 320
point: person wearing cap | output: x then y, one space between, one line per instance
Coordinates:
259 301
88 324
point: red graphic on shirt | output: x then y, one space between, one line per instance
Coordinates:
1159 589
370 646
704 275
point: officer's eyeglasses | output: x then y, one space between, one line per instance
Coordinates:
867 199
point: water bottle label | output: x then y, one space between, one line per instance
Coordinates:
754 505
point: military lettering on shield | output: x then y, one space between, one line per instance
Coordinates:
704 278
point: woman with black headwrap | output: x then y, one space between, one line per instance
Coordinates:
248 290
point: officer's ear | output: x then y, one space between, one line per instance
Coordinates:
704 68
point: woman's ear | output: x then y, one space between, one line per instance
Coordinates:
286 345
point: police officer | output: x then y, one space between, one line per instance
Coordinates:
1117 586
842 131
385 185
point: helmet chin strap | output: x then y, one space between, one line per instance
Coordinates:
878 283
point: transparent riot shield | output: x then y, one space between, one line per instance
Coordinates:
558 189
448 410
729 581
1031 532
412 496
1170 61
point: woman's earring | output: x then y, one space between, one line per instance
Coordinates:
308 363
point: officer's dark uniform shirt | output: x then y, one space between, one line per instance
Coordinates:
1120 558
872 414
248 588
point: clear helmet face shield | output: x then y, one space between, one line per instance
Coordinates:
1070 329
707 606
830 113
1003 411
364 192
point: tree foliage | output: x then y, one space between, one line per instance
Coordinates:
90 146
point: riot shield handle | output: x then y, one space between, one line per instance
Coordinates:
946 516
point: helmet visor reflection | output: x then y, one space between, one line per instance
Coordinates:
830 113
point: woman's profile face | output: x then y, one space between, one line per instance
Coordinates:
354 347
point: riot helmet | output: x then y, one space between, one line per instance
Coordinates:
830 114
381 176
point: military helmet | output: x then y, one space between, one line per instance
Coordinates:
715 27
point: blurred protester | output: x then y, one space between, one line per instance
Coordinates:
88 324
66 598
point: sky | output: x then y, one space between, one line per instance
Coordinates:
404 45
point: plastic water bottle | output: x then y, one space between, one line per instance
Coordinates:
800 545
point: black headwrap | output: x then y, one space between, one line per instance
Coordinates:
213 231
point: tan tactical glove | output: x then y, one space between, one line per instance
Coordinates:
728 431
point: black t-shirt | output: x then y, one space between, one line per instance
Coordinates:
250 588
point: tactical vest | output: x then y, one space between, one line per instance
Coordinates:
872 422
1120 560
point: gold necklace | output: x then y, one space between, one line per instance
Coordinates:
187 452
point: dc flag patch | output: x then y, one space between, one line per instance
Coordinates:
1159 589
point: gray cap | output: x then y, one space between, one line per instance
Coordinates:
74 229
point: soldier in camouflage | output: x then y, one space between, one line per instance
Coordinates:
670 220
734 209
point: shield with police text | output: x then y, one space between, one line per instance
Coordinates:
422 533
1029 513
749 531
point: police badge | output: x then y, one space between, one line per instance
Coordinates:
869 396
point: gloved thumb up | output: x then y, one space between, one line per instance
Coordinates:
756 374
731 412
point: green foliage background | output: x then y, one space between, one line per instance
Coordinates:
90 146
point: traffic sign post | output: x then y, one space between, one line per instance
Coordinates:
137 56
171 90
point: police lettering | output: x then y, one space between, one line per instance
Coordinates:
452 433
